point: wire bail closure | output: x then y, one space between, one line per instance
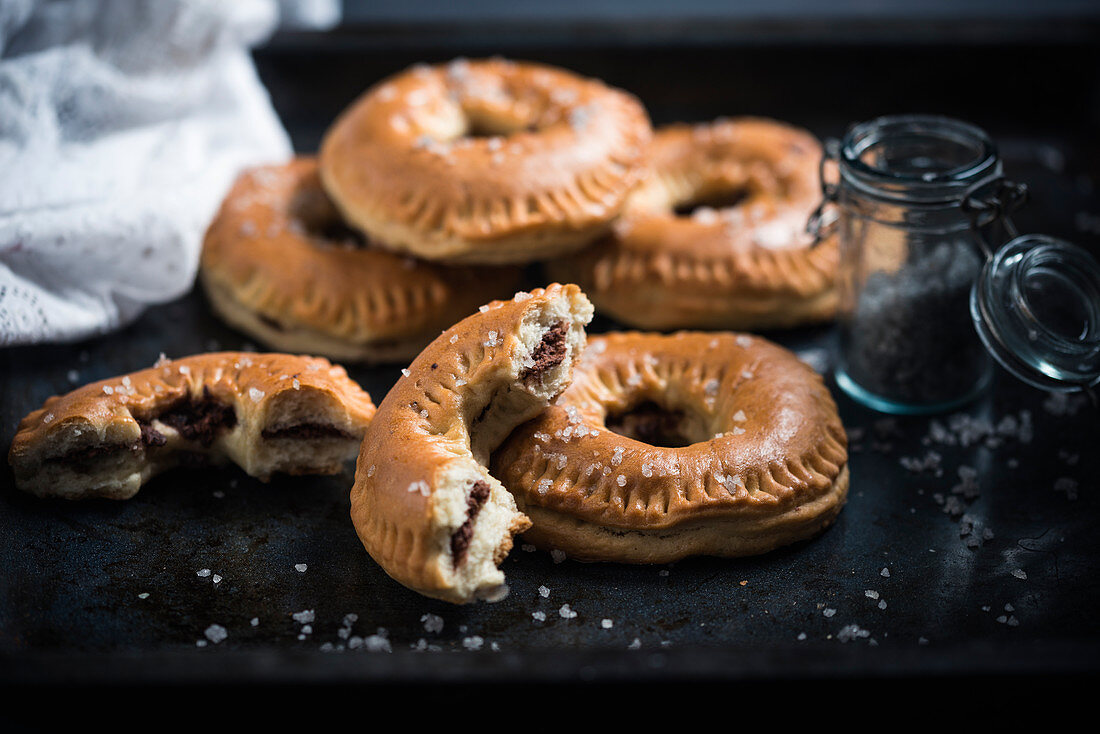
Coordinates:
822 223
1001 199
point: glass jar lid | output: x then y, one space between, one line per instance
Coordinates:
1036 307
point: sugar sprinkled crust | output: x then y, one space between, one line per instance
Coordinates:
279 264
743 264
268 413
763 460
486 161
424 503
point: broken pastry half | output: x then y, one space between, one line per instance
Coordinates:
424 504
267 413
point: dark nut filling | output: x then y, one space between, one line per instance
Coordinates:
460 540
549 353
199 420
307 431
83 459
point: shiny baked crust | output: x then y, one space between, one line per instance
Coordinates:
765 464
276 265
745 266
424 503
488 161
267 413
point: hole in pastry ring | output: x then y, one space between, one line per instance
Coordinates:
767 466
424 503
267 413
279 264
550 161
746 266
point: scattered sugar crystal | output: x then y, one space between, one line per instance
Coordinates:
607 623
216 633
885 572
647 470
108 390
617 457
256 394
1068 486
544 486
829 612
143 595
737 431
201 643
305 616
544 592
483 309
801 636
566 613
300 567
377 643
296 384
635 645
871 594
739 416
405 371
521 295
422 487
433 623
711 387
217 579
48 418
494 340
882 604
1020 574
620 480
744 341
747 374
473 643
454 338
371 470
852 632
255 622
540 616
557 555
203 572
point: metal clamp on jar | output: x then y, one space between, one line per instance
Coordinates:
919 203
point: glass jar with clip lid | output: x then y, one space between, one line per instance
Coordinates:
927 292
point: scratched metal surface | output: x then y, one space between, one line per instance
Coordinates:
74 574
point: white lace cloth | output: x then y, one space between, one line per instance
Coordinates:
122 124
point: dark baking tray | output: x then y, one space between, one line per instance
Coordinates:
70 609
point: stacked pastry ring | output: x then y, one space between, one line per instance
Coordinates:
280 264
669 446
486 161
741 259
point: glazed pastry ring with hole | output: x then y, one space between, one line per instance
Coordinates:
741 259
665 447
486 161
279 264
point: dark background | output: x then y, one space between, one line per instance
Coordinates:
1027 72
